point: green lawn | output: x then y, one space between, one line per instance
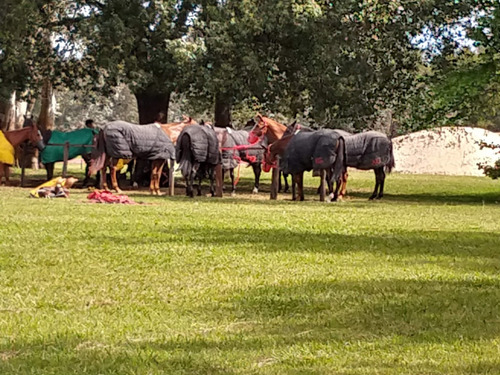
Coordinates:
406 285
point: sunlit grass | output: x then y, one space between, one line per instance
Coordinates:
409 284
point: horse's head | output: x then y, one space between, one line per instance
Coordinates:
269 160
35 136
259 129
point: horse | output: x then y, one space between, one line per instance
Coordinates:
235 149
268 131
317 150
365 151
143 168
15 137
122 140
197 152
174 129
53 154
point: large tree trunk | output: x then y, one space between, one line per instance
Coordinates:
21 107
222 111
8 113
151 105
46 118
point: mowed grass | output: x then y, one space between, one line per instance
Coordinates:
406 285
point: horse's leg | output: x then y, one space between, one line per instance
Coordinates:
377 184
257 170
114 182
335 194
159 171
233 187
2 169
287 187
103 181
279 182
343 190
295 185
6 171
152 179
211 175
301 186
200 179
189 184
382 182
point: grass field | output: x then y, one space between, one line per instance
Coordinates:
407 285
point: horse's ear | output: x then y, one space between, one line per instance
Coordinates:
260 117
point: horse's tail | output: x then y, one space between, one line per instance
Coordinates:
339 168
392 163
98 154
185 155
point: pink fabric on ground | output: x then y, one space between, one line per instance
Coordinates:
104 196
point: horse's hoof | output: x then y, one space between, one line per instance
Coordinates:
135 185
255 191
233 194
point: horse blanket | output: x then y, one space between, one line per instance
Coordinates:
52 154
204 144
368 150
313 150
129 141
231 158
6 150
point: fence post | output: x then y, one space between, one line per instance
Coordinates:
65 160
275 180
171 178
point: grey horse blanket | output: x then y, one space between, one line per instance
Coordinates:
231 158
204 144
368 150
315 150
129 141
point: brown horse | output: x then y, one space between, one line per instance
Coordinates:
174 129
267 131
16 137
266 127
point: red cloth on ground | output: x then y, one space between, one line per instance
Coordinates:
104 196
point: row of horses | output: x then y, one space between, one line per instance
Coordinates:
199 148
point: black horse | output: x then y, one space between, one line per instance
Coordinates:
369 150
197 152
316 150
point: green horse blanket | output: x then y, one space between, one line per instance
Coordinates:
52 154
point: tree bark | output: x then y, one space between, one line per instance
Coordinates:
8 113
46 118
150 105
222 111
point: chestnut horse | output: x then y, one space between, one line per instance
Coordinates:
16 137
268 131
174 129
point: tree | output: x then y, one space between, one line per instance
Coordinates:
141 44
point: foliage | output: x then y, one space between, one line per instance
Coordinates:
461 87
268 287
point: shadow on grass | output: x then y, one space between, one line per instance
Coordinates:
407 243
389 317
